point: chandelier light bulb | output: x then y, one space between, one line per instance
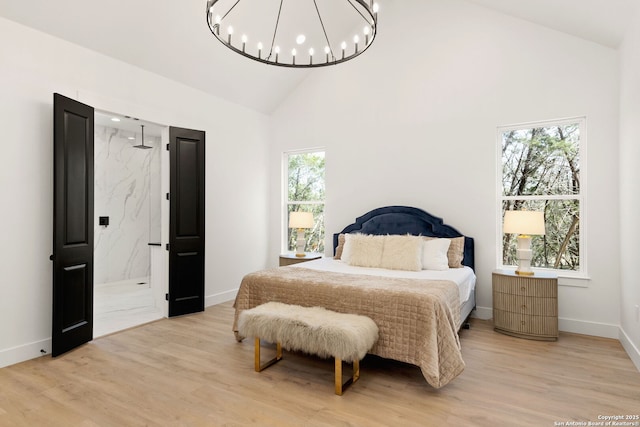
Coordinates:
229 32
365 19
217 26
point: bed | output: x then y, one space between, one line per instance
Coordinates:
418 312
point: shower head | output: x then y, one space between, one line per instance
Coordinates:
142 146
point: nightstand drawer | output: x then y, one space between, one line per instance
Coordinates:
535 327
525 305
525 286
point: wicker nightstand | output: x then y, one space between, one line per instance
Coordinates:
526 306
291 258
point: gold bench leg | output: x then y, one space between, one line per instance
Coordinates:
340 387
257 365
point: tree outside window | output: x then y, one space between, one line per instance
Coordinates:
540 171
305 191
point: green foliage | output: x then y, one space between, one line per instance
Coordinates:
541 161
541 171
306 192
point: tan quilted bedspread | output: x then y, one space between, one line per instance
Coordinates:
417 319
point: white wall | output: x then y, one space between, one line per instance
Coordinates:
413 122
33 67
629 179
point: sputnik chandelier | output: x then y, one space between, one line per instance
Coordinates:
297 33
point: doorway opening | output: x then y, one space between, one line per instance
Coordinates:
128 223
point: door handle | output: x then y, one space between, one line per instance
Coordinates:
51 257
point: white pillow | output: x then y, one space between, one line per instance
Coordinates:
455 254
434 254
402 253
347 248
363 250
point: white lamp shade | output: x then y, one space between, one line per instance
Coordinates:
300 220
524 222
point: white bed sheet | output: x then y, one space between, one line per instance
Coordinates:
464 277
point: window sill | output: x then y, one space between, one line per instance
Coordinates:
565 278
574 281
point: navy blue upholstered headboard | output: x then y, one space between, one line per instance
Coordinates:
406 220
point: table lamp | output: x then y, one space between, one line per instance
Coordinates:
300 221
524 224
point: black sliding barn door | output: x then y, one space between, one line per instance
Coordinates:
72 224
186 221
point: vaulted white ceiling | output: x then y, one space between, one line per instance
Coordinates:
600 21
171 38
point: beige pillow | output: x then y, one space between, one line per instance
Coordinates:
455 254
434 254
363 250
340 246
402 253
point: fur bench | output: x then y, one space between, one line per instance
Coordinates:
313 330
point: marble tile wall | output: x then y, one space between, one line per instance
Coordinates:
123 179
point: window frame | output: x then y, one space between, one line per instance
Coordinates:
284 196
581 273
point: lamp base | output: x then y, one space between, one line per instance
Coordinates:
300 244
524 255
524 273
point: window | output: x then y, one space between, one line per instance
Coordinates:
540 168
304 190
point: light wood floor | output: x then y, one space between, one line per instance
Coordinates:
190 371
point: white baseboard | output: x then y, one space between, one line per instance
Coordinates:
632 350
220 297
596 329
11 356
29 351
583 327
483 313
